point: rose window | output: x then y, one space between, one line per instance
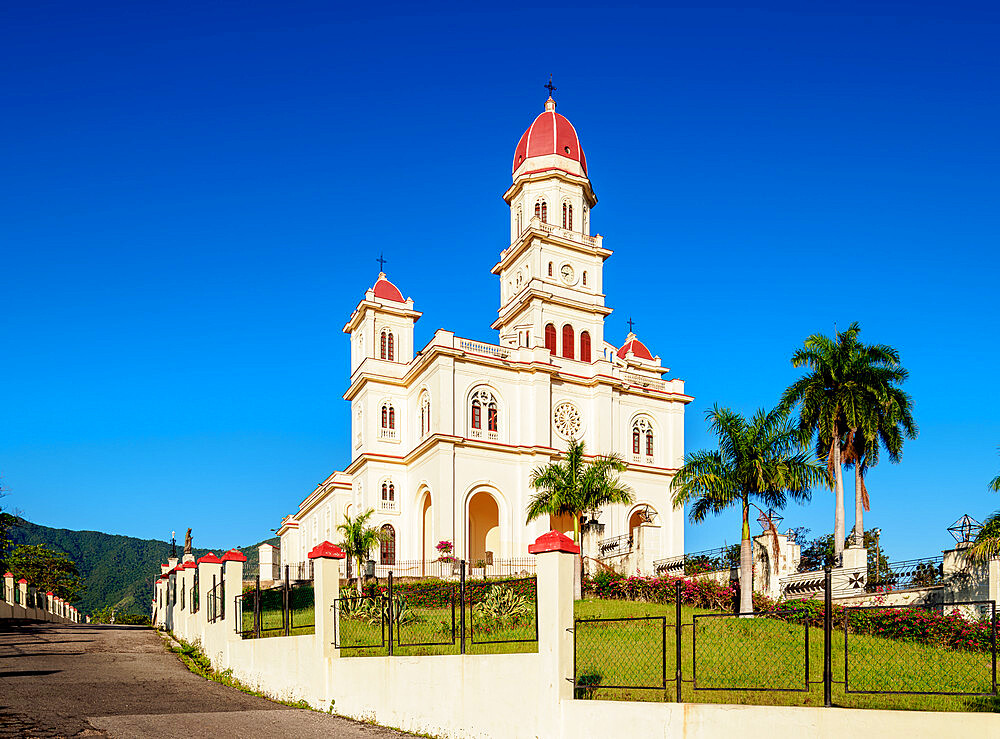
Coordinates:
566 418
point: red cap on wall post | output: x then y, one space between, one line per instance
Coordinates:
553 542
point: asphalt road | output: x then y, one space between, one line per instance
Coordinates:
61 680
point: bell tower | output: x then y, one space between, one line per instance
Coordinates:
551 275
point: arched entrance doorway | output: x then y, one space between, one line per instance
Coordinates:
484 528
428 552
387 545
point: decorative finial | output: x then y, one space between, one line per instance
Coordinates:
549 86
381 262
631 324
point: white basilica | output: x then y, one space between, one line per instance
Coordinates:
444 439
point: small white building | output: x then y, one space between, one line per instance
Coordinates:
444 439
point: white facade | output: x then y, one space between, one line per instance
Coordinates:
444 440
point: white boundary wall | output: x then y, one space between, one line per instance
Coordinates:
56 609
501 695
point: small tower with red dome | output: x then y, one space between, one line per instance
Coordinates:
381 327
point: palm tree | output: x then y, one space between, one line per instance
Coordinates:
847 383
359 540
886 421
987 543
572 485
758 459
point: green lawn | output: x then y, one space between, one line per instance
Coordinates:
764 653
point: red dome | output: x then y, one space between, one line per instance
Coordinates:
637 348
386 290
550 133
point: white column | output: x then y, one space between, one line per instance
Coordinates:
232 572
326 583
8 588
209 567
557 555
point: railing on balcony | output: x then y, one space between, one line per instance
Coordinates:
481 434
388 434
616 546
642 459
478 347
565 233
693 563
910 573
388 506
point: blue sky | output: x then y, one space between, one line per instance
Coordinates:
193 198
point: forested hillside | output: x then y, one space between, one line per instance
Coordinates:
118 570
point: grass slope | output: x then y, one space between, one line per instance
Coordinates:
118 570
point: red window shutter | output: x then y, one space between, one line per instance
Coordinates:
584 345
649 443
392 352
385 417
392 418
477 422
382 355
550 338
568 342
635 441
491 417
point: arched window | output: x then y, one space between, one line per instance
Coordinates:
388 430
542 211
550 338
388 502
584 346
425 413
568 348
387 545
491 417
517 221
568 216
382 354
642 429
392 349
483 401
550 269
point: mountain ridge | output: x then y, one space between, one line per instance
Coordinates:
118 570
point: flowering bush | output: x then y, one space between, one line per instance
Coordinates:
699 593
444 549
438 593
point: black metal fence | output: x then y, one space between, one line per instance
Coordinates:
284 610
615 546
911 573
877 661
887 650
215 601
452 616
693 563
